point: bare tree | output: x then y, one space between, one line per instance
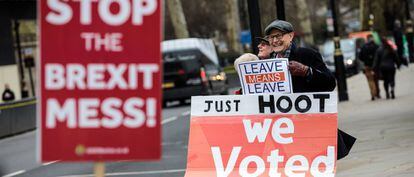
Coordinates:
385 13
267 12
364 14
177 18
304 21
205 17
233 25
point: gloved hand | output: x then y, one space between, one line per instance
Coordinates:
298 69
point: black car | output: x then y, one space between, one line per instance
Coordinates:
191 68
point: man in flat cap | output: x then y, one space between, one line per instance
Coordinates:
309 72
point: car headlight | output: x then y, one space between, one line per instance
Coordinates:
219 77
349 62
223 76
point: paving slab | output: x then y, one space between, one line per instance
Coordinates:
384 128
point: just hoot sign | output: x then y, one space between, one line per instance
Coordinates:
273 135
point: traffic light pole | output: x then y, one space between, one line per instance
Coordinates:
280 8
339 58
409 32
255 24
19 48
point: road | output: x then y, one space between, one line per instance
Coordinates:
18 154
384 128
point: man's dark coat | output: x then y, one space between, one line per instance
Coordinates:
320 80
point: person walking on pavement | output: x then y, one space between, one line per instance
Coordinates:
367 55
385 61
8 94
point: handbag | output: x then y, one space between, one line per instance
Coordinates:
345 142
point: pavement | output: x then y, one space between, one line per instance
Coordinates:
384 128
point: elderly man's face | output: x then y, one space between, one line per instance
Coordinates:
279 40
264 50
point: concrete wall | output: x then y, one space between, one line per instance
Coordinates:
17 117
9 74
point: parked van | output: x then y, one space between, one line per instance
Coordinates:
191 68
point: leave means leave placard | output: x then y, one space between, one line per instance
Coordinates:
265 76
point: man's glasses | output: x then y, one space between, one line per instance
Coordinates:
276 36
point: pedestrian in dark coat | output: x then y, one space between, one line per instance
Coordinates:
367 56
8 94
385 61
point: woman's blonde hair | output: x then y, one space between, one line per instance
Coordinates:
244 58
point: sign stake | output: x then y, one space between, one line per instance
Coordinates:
99 169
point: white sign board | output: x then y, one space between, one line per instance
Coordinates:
265 76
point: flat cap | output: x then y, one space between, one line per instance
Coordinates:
263 39
279 25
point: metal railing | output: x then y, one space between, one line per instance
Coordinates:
17 117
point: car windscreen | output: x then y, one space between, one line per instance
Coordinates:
347 45
185 61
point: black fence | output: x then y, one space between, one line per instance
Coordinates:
17 117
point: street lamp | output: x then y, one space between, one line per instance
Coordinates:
339 58
255 24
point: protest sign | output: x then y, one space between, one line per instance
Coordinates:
100 80
263 135
265 76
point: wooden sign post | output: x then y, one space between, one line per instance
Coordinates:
99 169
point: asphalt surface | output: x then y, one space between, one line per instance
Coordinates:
18 154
